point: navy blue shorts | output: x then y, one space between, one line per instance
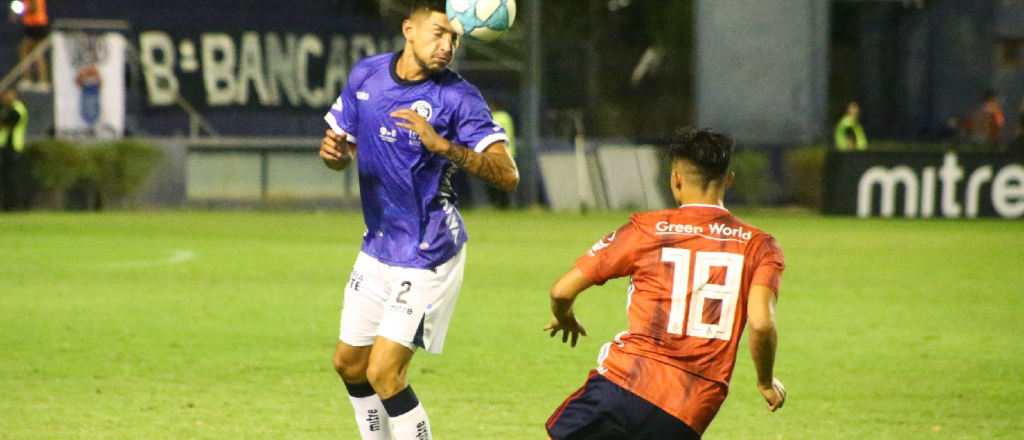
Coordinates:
603 410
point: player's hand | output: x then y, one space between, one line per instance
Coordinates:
570 326
336 151
431 140
774 394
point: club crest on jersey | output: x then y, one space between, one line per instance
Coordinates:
423 108
605 242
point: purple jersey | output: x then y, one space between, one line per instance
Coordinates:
408 203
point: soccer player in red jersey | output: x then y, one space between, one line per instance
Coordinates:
698 275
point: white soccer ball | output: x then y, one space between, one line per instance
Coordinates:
483 20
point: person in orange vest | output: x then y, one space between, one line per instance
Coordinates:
985 125
37 28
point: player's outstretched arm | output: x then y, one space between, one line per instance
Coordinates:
494 165
763 340
563 295
336 151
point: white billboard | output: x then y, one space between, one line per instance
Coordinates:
89 85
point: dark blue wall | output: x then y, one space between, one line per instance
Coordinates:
919 67
295 16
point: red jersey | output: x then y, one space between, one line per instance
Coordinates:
691 270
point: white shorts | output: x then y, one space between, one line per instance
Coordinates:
409 306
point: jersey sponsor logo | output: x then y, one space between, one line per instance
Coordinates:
725 231
388 135
423 108
671 228
716 230
362 96
605 242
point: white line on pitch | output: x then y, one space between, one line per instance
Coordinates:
179 257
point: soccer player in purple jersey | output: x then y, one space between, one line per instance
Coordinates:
413 122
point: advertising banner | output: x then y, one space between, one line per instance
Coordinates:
252 69
924 185
89 86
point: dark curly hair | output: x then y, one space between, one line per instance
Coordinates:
709 150
428 6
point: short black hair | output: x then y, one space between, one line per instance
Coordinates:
708 150
428 6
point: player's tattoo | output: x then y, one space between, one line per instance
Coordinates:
497 169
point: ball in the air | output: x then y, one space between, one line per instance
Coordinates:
483 20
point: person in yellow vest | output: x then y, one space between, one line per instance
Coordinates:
504 119
499 198
36 22
849 133
13 120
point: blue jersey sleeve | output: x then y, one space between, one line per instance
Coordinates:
343 116
475 127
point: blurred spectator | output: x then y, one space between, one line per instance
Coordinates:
942 130
504 119
501 199
849 133
1017 145
13 119
37 27
985 125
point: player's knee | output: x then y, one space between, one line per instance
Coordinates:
350 373
382 375
350 370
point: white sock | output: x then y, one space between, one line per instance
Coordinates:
371 418
412 425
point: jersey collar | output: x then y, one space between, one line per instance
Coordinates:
397 79
701 205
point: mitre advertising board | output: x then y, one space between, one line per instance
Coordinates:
925 185
253 68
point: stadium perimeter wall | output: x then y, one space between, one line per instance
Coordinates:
244 172
287 172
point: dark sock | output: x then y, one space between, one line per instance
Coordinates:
401 403
360 390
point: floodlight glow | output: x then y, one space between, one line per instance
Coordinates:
18 7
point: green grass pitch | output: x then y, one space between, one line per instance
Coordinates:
222 326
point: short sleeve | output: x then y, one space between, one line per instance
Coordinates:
769 265
612 257
475 127
343 117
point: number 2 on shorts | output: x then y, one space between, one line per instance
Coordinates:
406 287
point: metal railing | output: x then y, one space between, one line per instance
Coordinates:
26 63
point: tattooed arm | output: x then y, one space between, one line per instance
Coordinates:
494 165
